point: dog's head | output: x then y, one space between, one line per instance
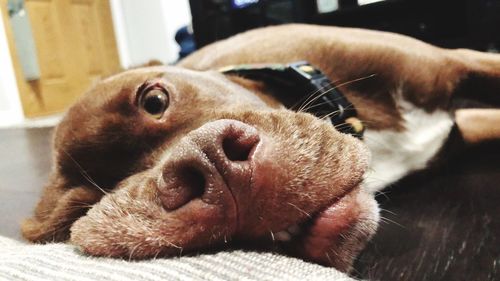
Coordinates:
163 160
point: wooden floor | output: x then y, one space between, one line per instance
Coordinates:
442 224
24 166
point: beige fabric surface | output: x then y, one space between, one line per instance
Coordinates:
21 261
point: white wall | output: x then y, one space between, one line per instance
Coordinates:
145 29
10 106
177 14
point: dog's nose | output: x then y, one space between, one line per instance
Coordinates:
210 160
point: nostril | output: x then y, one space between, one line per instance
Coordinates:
186 184
238 147
192 180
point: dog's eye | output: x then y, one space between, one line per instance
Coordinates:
154 100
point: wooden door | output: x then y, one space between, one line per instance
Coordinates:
75 46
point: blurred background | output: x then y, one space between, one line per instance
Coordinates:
52 50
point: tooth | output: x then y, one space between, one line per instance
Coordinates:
283 236
294 230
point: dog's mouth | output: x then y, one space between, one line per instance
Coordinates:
333 216
334 235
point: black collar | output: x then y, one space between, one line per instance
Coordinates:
309 87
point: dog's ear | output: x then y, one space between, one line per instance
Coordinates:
58 208
479 81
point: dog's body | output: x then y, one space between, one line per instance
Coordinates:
224 160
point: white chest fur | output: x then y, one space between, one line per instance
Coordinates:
395 154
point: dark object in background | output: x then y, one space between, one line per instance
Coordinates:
447 23
217 19
185 38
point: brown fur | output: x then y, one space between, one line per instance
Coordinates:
109 155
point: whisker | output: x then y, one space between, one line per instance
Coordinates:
156 255
336 87
303 102
320 104
383 194
301 109
75 205
328 258
388 211
326 102
173 245
272 236
84 173
387 220
329 114
133 250
299 209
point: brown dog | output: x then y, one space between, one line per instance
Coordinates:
166 160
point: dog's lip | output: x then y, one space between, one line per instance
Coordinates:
299 230
334 235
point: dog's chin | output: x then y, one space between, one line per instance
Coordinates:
335 235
